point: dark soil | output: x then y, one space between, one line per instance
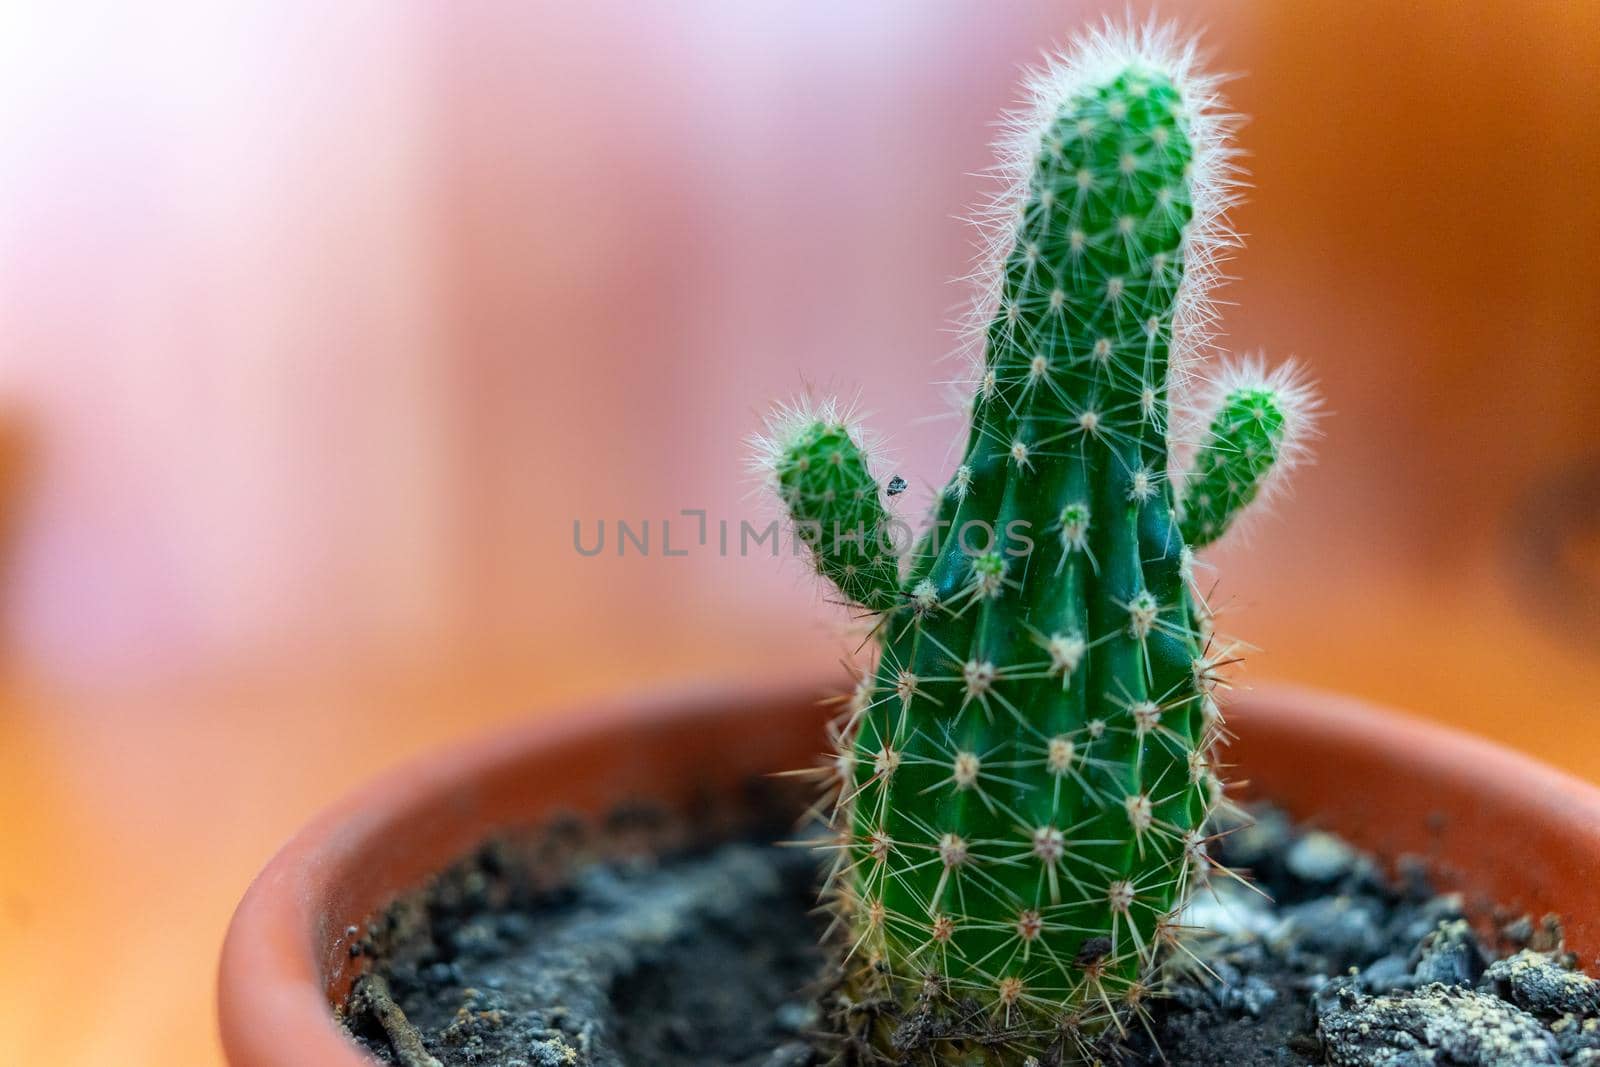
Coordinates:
708 957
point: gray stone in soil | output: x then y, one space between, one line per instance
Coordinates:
1532 980
1346 930
1449 955
794 1054
1258 842
1226 909
1321 858
1578 1039
1436 1025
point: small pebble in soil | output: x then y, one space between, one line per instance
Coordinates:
710 959
1319 857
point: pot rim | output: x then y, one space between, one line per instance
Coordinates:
1497 825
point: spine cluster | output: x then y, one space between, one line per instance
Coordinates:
1024 780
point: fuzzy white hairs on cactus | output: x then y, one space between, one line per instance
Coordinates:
788 419
1296 396
826 446
1217 179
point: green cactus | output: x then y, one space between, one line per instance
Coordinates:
1025 778
1255 434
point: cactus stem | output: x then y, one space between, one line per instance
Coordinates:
1025 775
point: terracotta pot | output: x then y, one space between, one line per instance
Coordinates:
1498 827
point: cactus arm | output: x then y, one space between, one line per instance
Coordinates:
822 476
1256 434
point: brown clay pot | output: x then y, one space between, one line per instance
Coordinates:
1499 827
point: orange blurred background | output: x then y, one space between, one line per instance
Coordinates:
320 326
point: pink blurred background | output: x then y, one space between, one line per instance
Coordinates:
320 327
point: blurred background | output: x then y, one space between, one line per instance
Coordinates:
321 325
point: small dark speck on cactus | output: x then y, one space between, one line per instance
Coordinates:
1025 776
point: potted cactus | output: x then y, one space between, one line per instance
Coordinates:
1028 774
1025 790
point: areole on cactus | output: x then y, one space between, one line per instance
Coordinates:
1025 777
